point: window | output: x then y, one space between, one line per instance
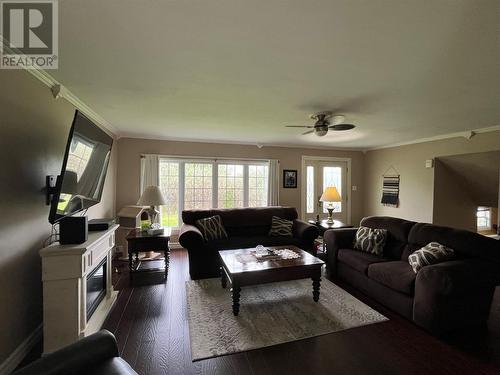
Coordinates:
483 218
230 186
332 176
197 186
202 184
310 189
258 179
169 184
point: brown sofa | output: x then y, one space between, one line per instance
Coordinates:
246 227
443 297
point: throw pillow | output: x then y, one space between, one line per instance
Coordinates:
431 253
211 228
281 227
370 240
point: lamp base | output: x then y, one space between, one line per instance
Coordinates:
152 214
329 220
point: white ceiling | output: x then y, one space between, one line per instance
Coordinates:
238 71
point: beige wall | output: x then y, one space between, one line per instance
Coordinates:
33 132
130 149
453 206
417 182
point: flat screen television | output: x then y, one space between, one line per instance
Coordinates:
80 184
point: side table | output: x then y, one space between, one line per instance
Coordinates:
323 226
139 240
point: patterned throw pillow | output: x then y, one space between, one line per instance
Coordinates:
212 228
281 227
370 240
431 253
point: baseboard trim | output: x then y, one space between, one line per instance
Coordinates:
15 358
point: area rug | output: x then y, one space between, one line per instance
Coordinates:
270 314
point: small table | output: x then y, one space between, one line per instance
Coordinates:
139 240
323 226
241 274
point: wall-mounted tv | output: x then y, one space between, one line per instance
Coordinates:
80 184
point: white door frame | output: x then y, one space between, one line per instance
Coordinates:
348 161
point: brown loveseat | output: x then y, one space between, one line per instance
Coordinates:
443 297
246 227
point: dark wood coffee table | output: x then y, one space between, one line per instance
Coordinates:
260 272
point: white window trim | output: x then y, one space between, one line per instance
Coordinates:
303 180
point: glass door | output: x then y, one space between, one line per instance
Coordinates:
321 174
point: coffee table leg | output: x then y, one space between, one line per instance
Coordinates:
223 279
235 291
316 286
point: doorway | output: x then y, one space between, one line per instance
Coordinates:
318 173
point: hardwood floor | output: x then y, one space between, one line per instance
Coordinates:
150 324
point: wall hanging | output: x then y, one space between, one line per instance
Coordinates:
390 187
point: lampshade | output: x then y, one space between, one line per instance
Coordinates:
330 194
151 196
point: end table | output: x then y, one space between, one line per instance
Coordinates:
139 240
323 226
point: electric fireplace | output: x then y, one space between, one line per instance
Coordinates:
96 287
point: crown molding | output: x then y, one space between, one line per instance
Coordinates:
468 134
59 91
69 96
226 142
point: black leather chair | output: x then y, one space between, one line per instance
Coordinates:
95 354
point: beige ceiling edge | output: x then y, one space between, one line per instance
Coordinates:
50 82
225 142
464 134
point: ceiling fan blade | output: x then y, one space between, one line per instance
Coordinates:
342 127
298 126
308 132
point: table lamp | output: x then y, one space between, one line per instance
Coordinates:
330 196
152 196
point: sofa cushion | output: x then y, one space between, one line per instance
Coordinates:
465 244
397 275
358 260
281 227
246 242
211 228
431 253
398 231
370 240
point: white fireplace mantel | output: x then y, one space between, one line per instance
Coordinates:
64 275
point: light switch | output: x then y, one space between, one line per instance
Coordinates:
354 188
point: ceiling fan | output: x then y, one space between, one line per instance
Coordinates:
325 121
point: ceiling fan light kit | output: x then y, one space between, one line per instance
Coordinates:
325 121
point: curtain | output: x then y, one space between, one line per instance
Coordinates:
273 195
150 171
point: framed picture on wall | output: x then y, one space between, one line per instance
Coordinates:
290 178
